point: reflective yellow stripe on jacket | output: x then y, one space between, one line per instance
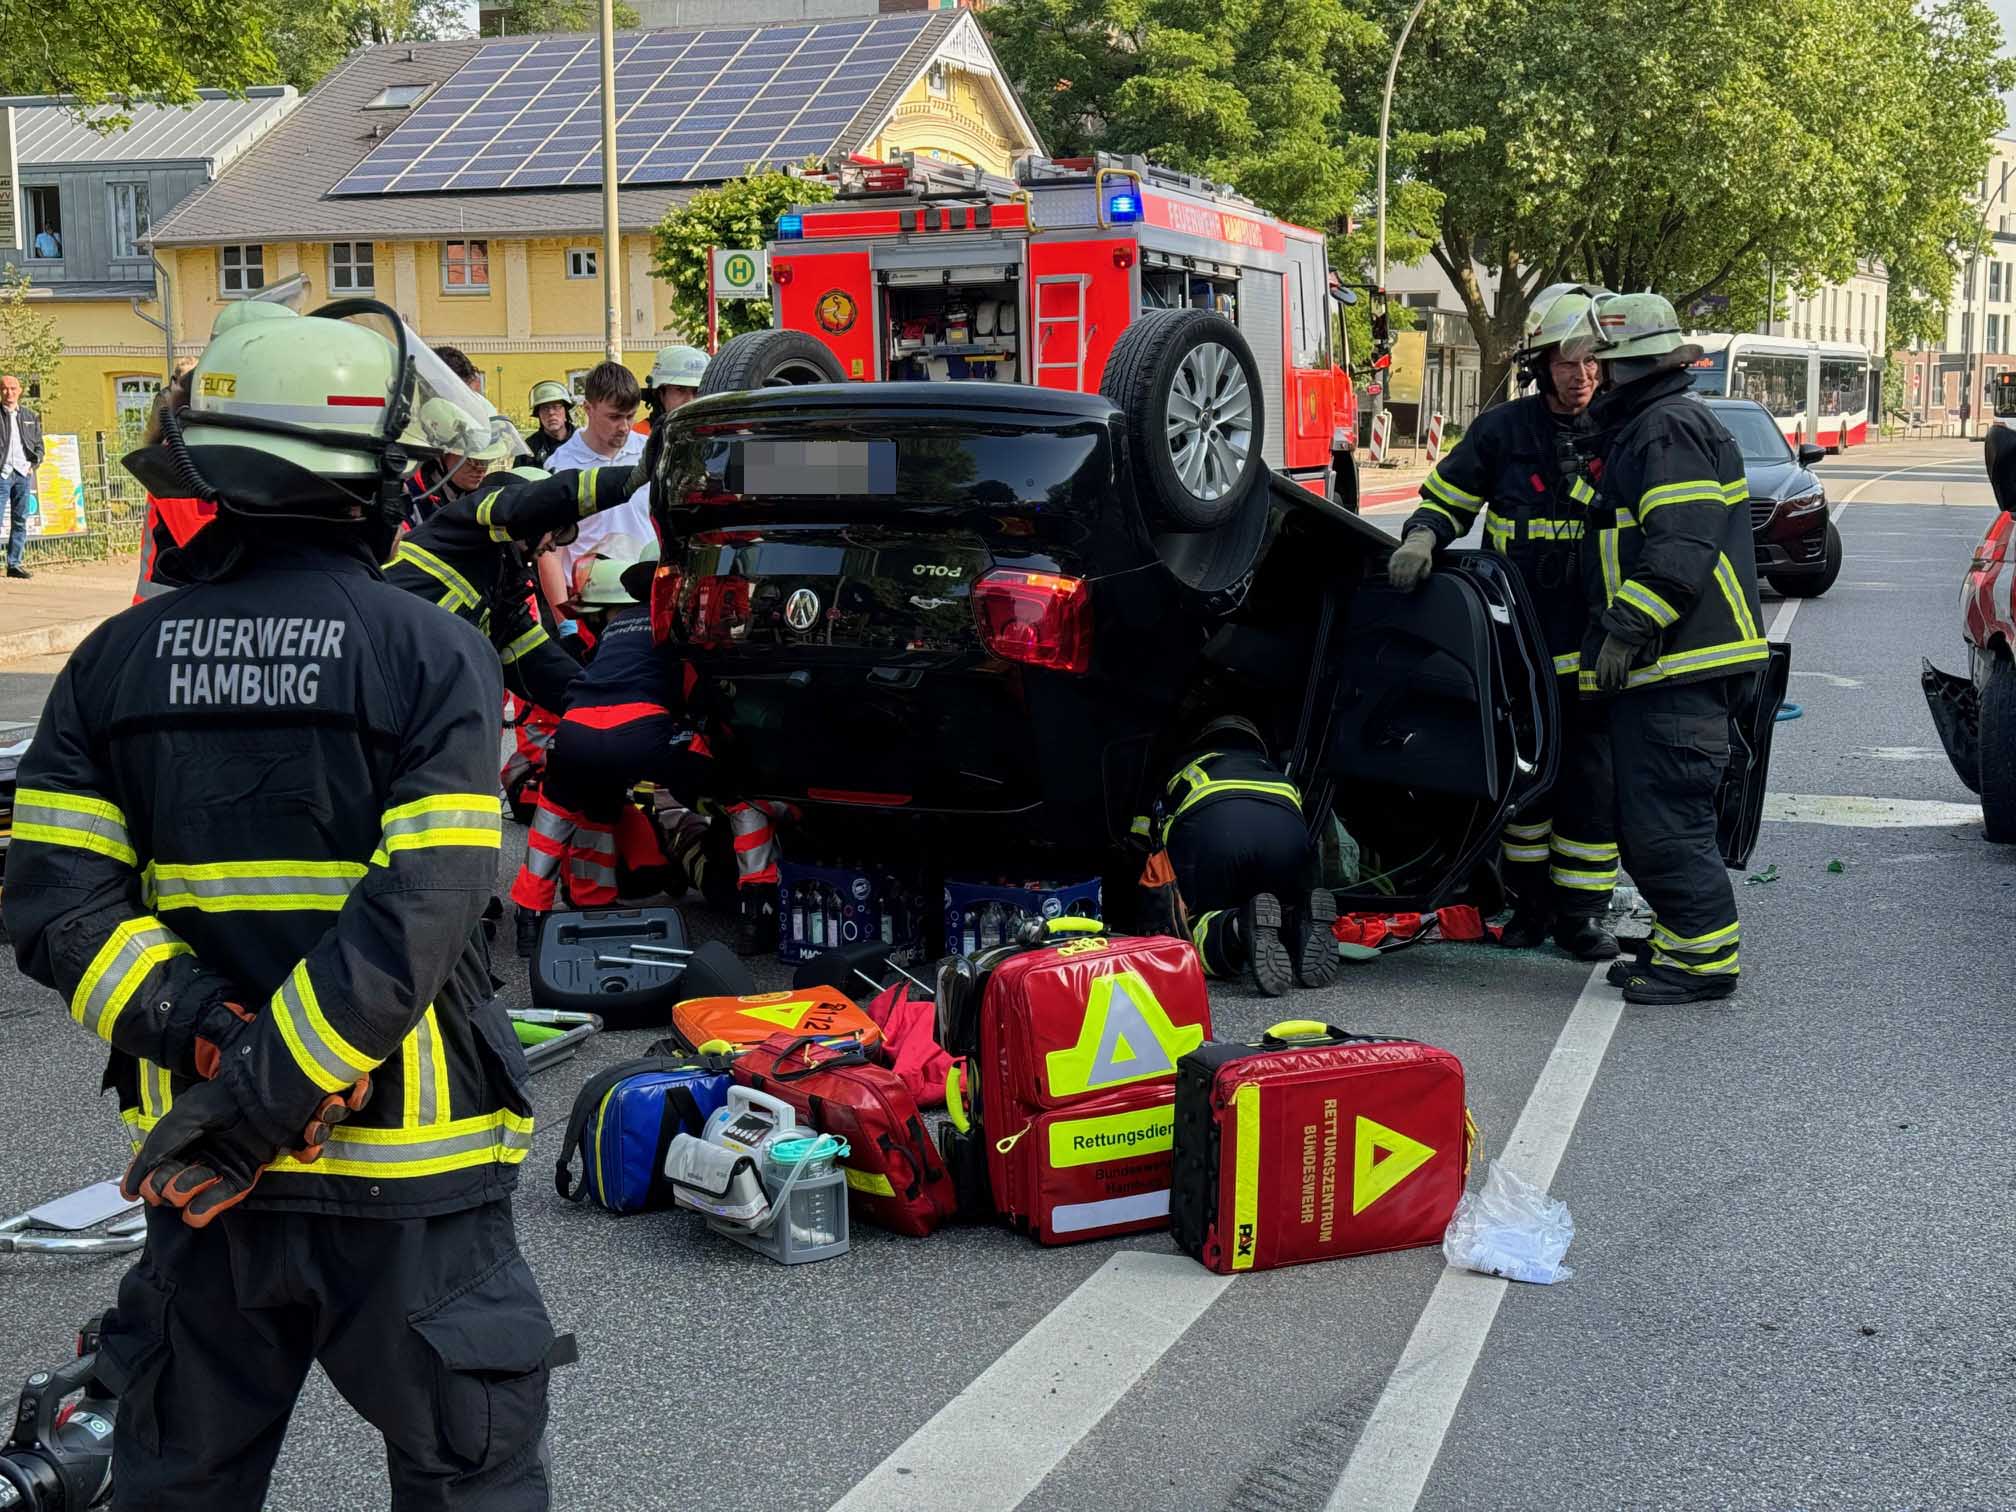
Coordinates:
252 886
77 820
444 819
531 640
499 1138
456 590
124 964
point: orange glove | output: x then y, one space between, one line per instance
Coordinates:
213 1037
203 1158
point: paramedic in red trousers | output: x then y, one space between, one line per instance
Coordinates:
1674 640
253 839
627 722
1516 464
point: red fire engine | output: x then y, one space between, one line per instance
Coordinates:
919 272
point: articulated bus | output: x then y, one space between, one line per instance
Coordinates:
1817 391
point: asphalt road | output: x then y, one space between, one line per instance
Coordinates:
1793 1211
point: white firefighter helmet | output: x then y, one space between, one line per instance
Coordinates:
444 427
323 380
1636 325
604 587
547 391
1561 315
679 366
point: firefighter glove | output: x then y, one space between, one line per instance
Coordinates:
218 1025
1613 664
204 1157
1412 560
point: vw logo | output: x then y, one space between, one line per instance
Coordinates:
801 610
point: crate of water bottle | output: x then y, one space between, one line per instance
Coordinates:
983 914
824 907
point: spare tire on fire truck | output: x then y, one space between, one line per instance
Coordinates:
770 359
1190 389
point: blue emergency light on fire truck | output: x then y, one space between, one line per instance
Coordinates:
922 271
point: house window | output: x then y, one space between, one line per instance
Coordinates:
240 271
351 270
1994 280
396 96
129 219
134 399
45 223
581 262
465 267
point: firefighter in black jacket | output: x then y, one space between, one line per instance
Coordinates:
473 555
253 839
1232 825
1671 576
1517 464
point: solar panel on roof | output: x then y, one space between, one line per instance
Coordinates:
691 105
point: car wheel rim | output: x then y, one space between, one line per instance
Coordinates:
791 374
1210 424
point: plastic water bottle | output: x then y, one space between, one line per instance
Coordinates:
798 915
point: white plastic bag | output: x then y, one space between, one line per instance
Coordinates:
1510 1228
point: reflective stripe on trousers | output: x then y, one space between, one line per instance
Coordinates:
756 850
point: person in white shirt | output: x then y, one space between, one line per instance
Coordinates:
610 400
20 452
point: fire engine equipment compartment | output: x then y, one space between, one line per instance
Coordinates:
958 324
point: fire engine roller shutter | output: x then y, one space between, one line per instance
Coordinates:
1260 321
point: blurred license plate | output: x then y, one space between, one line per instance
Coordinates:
816 467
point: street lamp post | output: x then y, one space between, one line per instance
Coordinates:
612 233
1379 210
1974 308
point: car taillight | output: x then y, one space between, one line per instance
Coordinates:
1037 618
720 610
665 585
1994 547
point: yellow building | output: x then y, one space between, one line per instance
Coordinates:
459 182
84 202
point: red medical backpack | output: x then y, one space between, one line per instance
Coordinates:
1064 1119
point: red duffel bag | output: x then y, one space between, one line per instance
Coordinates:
896 1178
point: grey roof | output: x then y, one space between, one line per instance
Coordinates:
48 131
279 191
108 288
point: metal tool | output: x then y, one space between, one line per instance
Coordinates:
95 1220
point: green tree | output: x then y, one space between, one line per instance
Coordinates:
517 18
29 345
1247 92
113 52
1697 147
740 213
310 37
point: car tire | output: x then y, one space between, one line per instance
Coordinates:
1813 587
1998 755
1194 469
770 359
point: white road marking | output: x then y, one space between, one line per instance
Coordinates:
1781 622
1832 679
993 1444
1403 1437
1868 813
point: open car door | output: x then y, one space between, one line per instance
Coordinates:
1739 801
1436 726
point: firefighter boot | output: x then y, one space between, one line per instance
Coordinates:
1633 956
756 931
1314 941
1528 927
528 926
1584 937
1269 963
1661 987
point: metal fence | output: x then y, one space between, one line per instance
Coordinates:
115 507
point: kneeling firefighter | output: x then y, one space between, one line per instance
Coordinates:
1519 464
1231 823
253 839
1671 579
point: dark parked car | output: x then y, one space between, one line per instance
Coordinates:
1798 547
999 610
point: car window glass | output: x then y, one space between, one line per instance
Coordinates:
1757 434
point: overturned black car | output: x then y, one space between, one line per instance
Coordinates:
995 612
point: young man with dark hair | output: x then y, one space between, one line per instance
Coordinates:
611 396
460 365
